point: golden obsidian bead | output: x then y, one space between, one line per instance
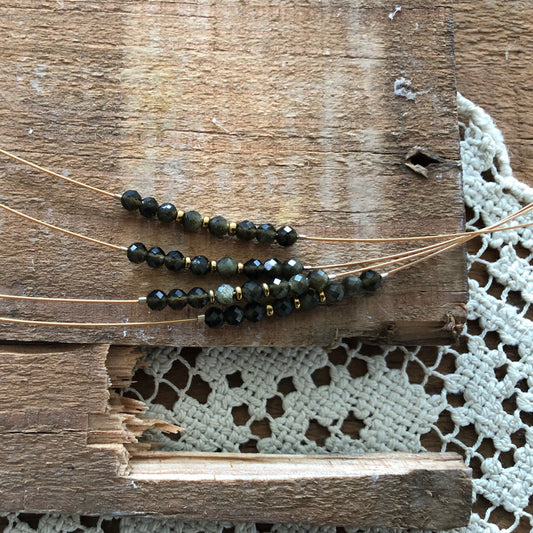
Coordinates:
227 267
214 317
197 297
245 230
283 307
233 315
318 279
131 200
155 257
200 265
273 268
177 299
167 213
137 252
192 221
148 207
175 261
218 226
370 280
292 267
156 300
254 312
286 236
253 268
266 234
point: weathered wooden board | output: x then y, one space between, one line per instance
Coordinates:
296 113
69 446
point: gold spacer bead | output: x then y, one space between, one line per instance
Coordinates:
179 216
240 268
322 297
297 304
232 228
212 296
205 222
187 262
238 293
270 310
213 266
266 290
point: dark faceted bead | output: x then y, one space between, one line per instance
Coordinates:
192 221
252 291
175 261
309 300
334 293
254 312
292 267
227 267
245 230
200 265
273 268
156 300
253 268
352 285
279 288
266 233
177 299
214 317
137 252
299 284
218 226
283 307
197 297
370 280
131 200
233 315
286 236
318 279
167 213
148 207
155 257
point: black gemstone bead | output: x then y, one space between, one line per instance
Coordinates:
266 233
318 279
137 252
175 261
252 291
299 284
292 267
200 265
245 230
192 221
218 226
131 200
233 315
279 288
197 297
352 285
177 299
148 207
155 257
156 300
309 300
334 293
214 317
273 268
254 312
283 307
370 280
253 268
227 267
167 213
224 294
286 236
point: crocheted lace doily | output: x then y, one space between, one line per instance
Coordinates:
475 397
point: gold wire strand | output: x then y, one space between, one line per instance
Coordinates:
62 230
95 324
66 300
56 175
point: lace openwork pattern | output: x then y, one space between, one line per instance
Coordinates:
475 398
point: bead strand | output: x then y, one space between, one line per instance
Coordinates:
218 226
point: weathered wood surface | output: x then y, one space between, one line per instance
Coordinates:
494 48
267 111
63 449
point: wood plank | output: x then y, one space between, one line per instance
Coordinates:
91 463
273 112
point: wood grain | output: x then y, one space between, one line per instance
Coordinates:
69 446
286 116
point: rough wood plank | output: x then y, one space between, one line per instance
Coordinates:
494 47
279 113
83 466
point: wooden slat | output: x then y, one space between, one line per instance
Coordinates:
285 113
67 453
